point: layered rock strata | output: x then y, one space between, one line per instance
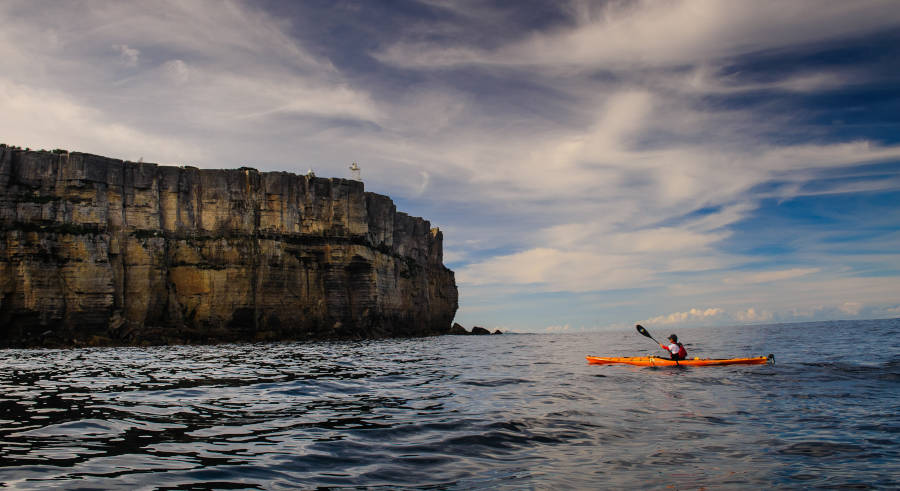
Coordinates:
98 251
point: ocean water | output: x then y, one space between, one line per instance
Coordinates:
460 412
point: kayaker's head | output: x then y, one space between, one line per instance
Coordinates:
673 338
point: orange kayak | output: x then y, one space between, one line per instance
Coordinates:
653 361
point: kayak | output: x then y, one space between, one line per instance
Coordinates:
653 361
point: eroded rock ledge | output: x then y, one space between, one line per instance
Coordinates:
97 251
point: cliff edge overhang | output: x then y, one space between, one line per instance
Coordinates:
98 251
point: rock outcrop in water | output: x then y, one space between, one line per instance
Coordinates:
98 251
457 329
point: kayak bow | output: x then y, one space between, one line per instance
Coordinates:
653 361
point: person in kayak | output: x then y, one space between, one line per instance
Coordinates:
676 350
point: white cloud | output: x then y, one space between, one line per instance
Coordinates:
563 328
606 193
586 182
601 255
709 79
802 298
128 56
711 315
217 76
769 276
627 35
452 256
49 119
555 270
176 71
851 308
692 315
752 315
611 207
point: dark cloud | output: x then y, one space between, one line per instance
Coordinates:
656 158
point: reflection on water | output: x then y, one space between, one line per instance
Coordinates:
508 411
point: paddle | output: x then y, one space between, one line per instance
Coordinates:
644 332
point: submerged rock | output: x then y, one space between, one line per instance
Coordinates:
97 251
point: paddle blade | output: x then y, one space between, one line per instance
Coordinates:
643 331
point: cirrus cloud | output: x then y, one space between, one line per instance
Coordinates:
602 161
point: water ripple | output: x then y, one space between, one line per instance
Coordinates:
514 411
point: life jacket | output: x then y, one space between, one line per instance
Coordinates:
682 353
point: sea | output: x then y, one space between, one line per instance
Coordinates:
514 411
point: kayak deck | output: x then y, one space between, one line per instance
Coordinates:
653 361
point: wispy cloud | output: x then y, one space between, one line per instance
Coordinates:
630 35
176 71
577 156
769 276
45 118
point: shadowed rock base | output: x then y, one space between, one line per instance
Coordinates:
97 251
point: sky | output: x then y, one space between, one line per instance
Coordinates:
592 164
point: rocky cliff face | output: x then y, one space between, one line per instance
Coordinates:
98 251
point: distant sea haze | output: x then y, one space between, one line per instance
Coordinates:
460 412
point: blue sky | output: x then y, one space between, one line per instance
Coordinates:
592 164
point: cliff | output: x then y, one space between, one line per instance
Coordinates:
97 251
